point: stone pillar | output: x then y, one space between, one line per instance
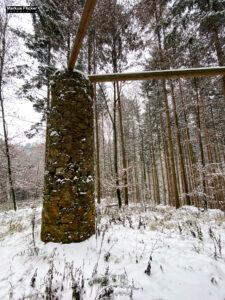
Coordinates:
68 209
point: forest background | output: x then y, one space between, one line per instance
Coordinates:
158 142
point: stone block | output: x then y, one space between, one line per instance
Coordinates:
68 208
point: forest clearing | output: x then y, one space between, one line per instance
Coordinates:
140 253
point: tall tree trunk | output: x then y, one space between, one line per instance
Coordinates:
151 183
135 167
217 150
142 159
36 184
103 154
114 64
9 169
165 98
167 164
114 127
155 173
90 47
115 149
97 148
216 184
198 123
213 191
162 171
171 152
178 138
124 161
191 158
220 55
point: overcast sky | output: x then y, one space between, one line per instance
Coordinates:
20 114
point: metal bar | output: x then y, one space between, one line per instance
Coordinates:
162 74
82 29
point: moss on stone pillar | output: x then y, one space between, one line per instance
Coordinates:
68 209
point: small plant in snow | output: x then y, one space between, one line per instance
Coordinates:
132 290
180 228
33 236
105 293
33 279
199 232
148 269
106 256
77 284
103 235
130 222
97 222
141 223
193 233
216 243
10 224
50 293
197 248
213 280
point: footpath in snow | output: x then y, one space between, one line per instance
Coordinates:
158 254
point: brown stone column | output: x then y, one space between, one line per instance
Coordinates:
68 210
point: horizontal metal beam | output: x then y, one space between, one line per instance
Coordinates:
82 29
162 74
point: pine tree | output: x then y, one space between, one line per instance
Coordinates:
4 60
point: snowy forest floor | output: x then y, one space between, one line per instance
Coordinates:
161 253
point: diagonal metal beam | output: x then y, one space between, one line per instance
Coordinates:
162 74
82 29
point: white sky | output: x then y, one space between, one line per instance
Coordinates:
19 112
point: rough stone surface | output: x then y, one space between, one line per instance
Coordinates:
68 210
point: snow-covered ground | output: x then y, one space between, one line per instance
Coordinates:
160 253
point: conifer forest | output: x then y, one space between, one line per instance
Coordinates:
112 149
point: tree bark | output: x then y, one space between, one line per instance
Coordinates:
178 138
167 164
162 171
9 169
191 158
135 167
97 148
155 173
220 55
171 153
122 147
198 123
115 149
165 98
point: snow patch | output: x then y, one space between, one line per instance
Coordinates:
83 74
54 133
175 244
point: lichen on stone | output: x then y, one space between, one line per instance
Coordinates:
68 208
